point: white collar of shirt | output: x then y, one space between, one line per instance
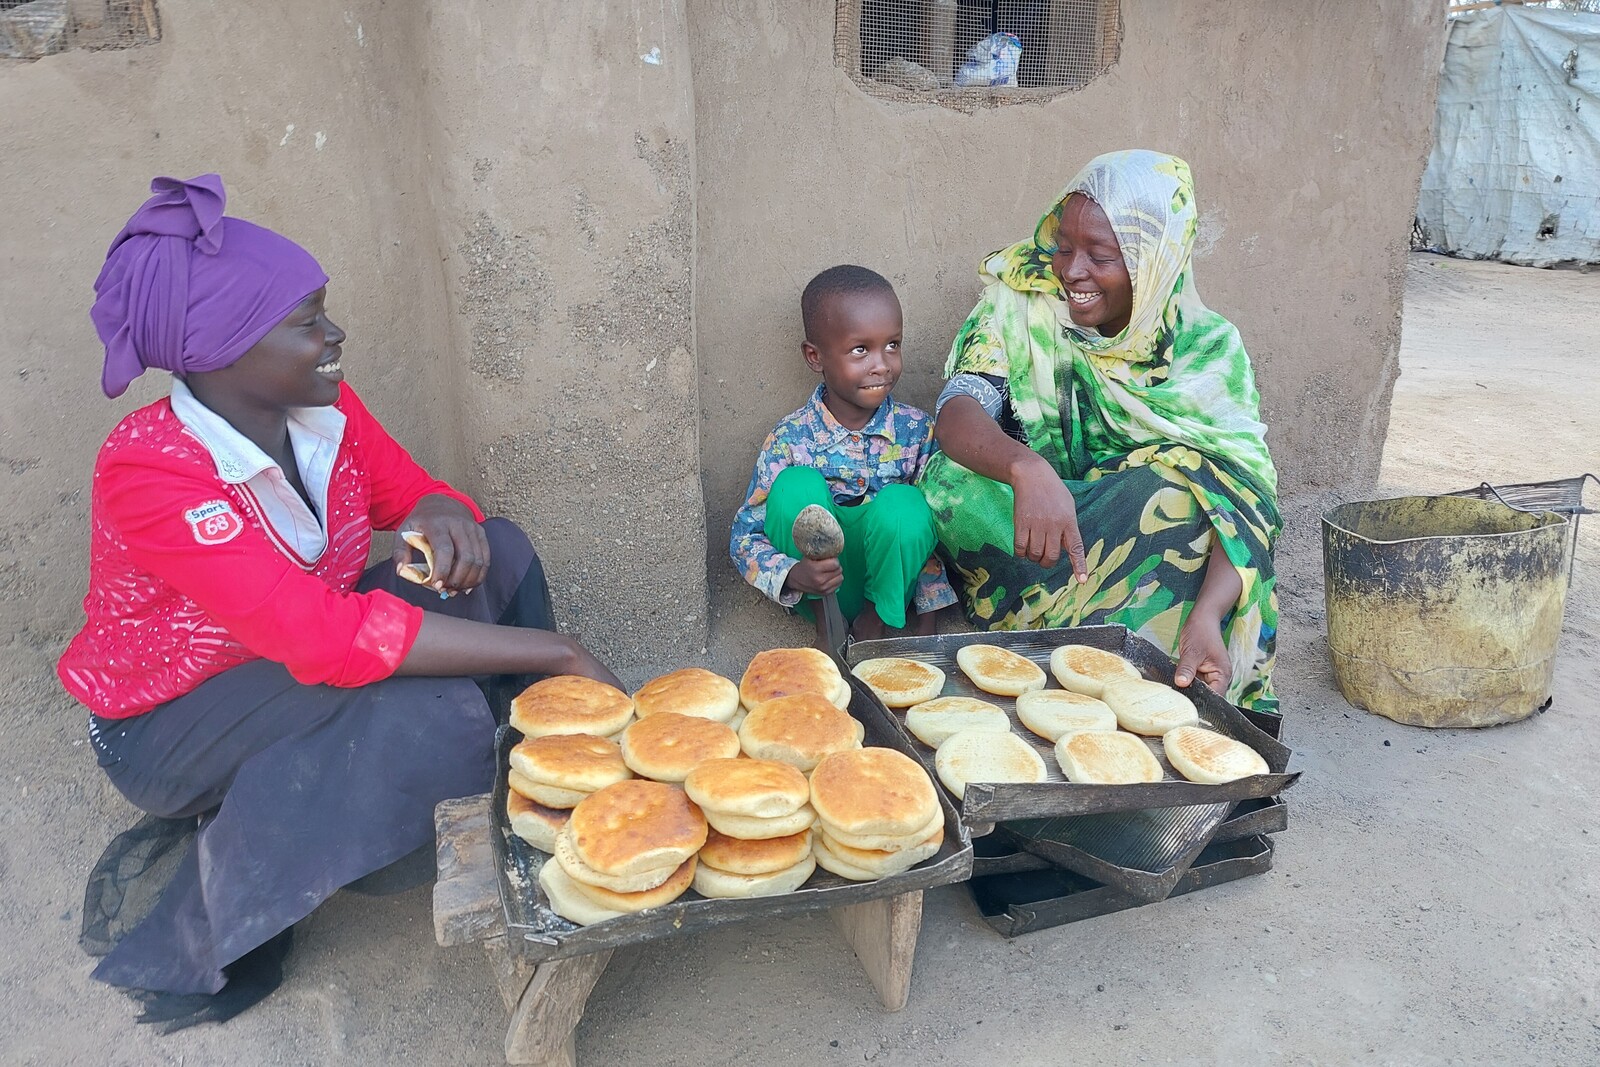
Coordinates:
314 434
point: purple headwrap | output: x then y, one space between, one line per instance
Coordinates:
186 289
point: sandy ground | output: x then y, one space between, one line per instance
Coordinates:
1434 902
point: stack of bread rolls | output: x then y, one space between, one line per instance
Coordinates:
551 775
722 801
760 816
629 847
877 814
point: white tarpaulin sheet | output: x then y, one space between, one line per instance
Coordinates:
1515 169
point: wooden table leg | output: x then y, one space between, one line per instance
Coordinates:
883 934
548 1009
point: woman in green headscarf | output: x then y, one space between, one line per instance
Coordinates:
1102 457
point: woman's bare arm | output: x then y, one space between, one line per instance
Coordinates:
1045 518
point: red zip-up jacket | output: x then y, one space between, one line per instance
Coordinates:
187 579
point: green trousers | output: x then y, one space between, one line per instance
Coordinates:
887 541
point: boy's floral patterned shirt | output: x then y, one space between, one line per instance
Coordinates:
891 447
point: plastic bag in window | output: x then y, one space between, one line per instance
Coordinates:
992 61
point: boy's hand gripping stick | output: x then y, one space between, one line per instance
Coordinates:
817 535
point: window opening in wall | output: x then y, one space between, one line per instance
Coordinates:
33 28
985 48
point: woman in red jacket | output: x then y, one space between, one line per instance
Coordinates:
241 664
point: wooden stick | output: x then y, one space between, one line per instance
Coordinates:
883 934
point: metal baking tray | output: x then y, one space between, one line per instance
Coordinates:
539 934
1142 853
989 803
1021 903
1268 815
998 853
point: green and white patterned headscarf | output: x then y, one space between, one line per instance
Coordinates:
1177 374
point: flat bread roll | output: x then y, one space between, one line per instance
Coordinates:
551 796
636 826
747 828
798 730
986 756
998 670
1149 708
570 704
564 900
873 791
900 683
666 746
864 865
575 762
737 855
884 842
781 672
841 696
933 721
1087 670
584 874
1094 758
627 903
1209 758
758 789
726 885
1054 713
691 691
534 823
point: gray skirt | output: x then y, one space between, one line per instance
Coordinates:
301 789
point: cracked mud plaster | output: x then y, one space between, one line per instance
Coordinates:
646 302
506 294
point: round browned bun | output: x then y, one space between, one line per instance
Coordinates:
715 884
999 670
667 746
740 856
872 865
570 704
578 762
549 795
665 893
798 730
873 791
867 864
636 826
781 672
534 823
755 788
691 691
886 842
562 894
901 683
747 828
580 871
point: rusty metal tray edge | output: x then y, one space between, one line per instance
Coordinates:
1254 856
539 935
988 803
1272 816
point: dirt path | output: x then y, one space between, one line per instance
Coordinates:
1434 902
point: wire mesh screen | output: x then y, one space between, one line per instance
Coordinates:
33 28
929 45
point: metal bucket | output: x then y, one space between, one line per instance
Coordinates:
1444 611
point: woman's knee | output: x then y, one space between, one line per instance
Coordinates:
508 544
900 510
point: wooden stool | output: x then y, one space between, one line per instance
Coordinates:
547 1000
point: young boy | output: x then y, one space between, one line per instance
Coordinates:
857 452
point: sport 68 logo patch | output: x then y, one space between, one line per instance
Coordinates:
214 522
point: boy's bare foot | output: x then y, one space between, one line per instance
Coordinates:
919 624
868 626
